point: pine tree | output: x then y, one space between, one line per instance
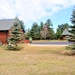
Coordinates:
51 34
41 29
14 34
35 31
72 30
60 30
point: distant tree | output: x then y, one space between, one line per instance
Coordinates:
58 33
14 35
41 25
64 26
51 34
72 30
28 34
41 30
23 29
34 32
60 29
22 25
42 34
46 30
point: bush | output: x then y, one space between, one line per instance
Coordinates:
71 47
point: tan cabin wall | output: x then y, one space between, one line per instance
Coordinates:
64 37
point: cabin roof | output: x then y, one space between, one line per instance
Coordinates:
66 32
6 24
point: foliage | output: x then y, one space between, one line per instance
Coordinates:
22 25
42 31
34 32
47 31
27 34
72 31
14 35
41 25
52 34
49 24
60 29
58 33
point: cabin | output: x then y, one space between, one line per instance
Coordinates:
5 26
66 34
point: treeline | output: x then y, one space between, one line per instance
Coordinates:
45 31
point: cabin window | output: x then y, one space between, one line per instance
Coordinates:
67 36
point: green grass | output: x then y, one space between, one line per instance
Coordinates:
36 60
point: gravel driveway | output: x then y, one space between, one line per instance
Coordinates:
51 43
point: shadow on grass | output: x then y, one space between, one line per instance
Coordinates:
58 52
68 53
6 47
49 52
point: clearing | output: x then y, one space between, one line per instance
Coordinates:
36 60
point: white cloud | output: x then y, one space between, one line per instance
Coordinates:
32 10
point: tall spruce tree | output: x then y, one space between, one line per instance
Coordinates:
72 30
14 34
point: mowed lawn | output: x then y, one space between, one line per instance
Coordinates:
36 60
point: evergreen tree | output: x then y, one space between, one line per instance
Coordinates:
28 34
35 31
41 29
22 25
14 34
58 33
60 29
51 34
72 30
41 25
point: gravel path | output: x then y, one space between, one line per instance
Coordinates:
50 43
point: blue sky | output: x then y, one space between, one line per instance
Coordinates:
61 17
59 11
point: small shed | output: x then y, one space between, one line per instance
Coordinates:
66 34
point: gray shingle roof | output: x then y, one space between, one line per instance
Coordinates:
6 24
66 32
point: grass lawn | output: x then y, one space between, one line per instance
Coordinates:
36 60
